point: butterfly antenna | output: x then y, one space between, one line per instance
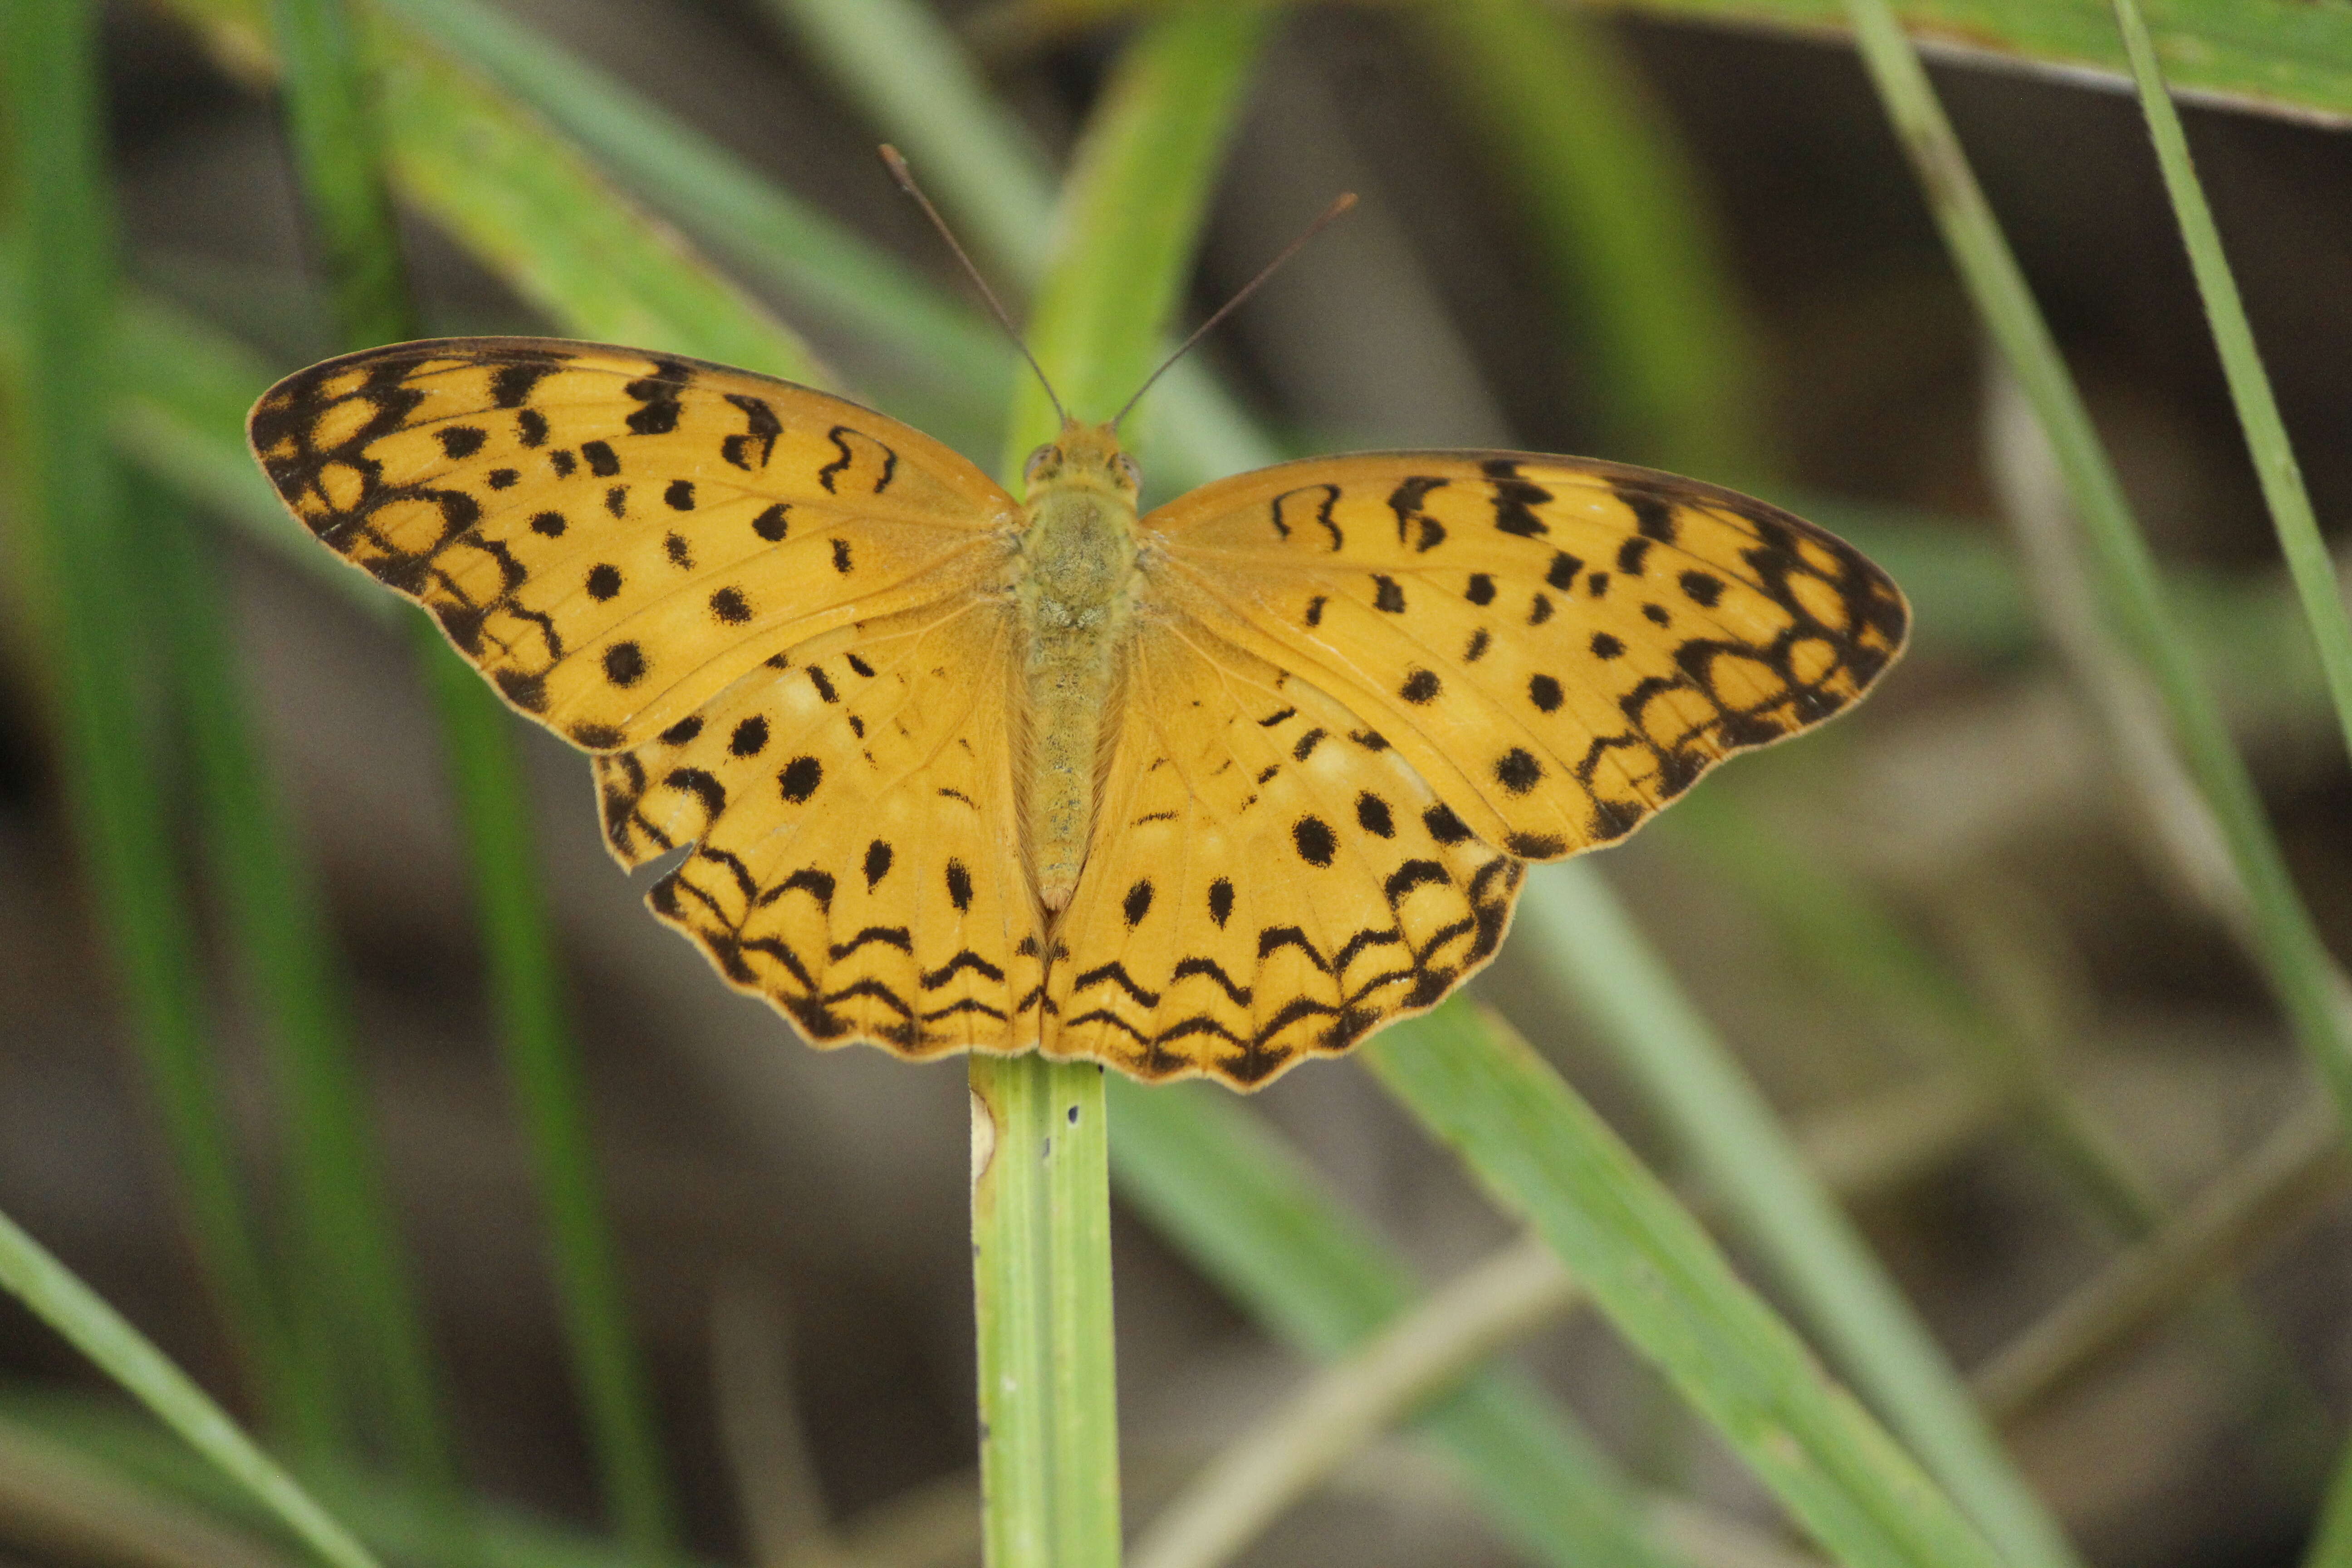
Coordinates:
906 178
1345 200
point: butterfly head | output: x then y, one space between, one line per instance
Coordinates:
1084 456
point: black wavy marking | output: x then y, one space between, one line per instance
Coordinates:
716 912
838 436
1875 623
1410 978
1322 512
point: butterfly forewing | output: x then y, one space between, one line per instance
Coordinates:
1558 646
613 536
778 616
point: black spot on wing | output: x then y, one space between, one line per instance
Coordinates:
625 664
1514 498
461 441
510 387
658 394
800 778
1517 771
1654 516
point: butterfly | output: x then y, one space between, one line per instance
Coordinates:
1206 791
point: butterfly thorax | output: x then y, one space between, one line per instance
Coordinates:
1076 598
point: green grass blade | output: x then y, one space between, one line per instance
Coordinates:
1542 1153
2309 989
81 569
2287 58
2331 1538
352 1259
2278 56
1131 213
818 264
1215 1180
919 87
1727 1134
901 63
534 211
61 1301
350 208
1618 218
2282 479
526 986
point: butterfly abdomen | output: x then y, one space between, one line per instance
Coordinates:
1077 602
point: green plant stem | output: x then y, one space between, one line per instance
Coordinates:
2242 361
338 154
1543 1154
124 1354
1041 1288
1041 1194
1722 1126
81 569
2301 975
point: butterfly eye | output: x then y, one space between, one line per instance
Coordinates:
1046 457
1134 474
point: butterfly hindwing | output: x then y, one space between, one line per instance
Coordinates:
1558 647
615 536
1268 881
849 817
